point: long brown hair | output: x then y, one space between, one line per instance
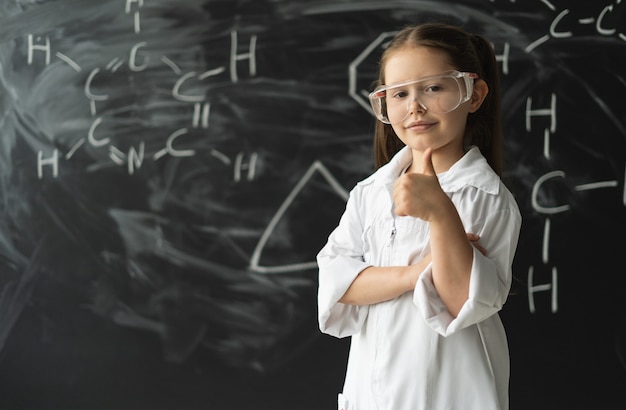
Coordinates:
467 52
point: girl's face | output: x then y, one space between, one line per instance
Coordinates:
423 129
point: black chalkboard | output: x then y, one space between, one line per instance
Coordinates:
168 171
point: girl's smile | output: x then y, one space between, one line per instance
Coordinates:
420 126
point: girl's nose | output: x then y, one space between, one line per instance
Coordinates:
416 107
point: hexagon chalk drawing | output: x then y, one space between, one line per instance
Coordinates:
360 96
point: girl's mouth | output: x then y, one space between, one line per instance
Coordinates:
420 125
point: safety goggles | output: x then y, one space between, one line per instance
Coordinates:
437 94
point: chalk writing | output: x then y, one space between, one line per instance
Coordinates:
134 157
561 26
361 95
316 167
136 13
551 113
45 48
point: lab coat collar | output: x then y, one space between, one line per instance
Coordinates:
472 169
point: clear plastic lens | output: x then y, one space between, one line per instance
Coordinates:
441 94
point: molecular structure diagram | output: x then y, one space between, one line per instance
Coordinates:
244 165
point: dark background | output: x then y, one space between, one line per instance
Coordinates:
152 257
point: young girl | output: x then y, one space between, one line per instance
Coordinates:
399 274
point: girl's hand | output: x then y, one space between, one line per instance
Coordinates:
473 238
419 194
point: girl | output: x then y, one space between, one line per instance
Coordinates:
399 274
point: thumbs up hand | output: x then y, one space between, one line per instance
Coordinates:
419 194
427 162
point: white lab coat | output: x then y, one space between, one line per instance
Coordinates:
409 352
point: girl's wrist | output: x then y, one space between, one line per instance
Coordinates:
411 274
444 210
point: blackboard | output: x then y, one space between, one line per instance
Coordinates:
168 171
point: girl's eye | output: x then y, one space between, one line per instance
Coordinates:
400 94
434 88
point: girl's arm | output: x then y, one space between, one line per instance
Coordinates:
379 284
420 195
452 257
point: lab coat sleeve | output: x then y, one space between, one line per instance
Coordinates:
340 261
490 278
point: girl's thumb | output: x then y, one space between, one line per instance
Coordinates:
427 162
